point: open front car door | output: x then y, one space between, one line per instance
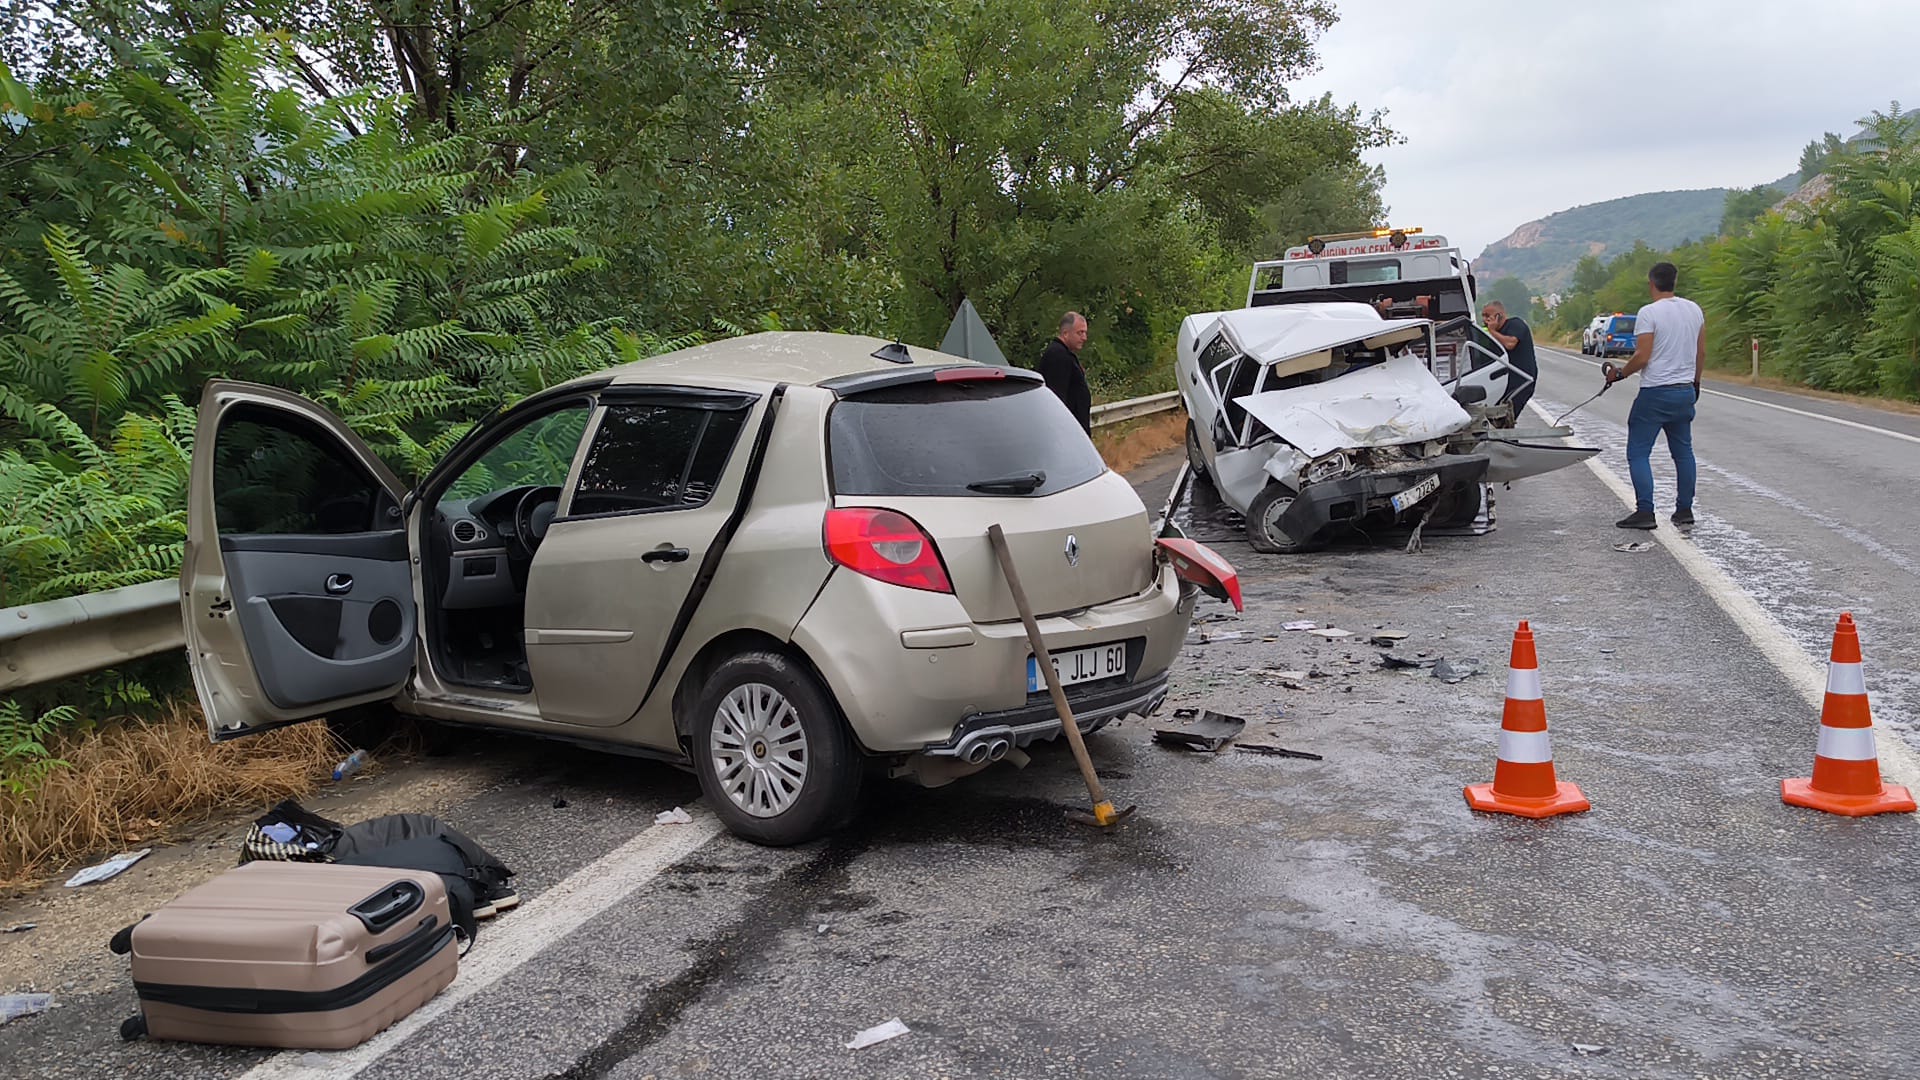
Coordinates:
297 588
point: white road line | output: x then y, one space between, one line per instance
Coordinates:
516 937
1770 405
1898 761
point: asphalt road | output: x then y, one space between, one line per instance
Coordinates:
1261 916
1807 504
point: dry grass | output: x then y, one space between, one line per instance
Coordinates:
137 782
1125 446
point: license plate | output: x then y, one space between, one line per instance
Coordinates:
1080 665
1415 493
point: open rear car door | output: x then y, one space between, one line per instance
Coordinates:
297 589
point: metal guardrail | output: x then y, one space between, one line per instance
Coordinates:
56 639
1134 408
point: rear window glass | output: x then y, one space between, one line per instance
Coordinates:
1622 325
937 438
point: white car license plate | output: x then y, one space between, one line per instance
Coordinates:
1415 493
1080 665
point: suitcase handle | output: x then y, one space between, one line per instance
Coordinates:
425 930
379 912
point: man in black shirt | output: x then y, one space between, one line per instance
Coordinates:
1060 367
1515 336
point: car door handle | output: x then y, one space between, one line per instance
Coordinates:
339 584
660 555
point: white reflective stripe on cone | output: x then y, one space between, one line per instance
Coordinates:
1846 678
1845 743
1523 684
1527 747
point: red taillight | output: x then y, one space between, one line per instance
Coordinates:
967 374
885 546
1197 563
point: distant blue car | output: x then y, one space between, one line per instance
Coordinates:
1616 338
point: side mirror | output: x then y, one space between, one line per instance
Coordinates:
1470 395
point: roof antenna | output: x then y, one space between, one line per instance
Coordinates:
893 353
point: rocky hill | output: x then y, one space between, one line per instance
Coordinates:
1543 252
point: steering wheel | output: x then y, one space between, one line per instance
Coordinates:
531 516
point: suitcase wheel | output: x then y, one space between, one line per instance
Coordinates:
133 1027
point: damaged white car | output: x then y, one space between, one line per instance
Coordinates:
1314 418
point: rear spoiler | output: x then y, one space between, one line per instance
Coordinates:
866 382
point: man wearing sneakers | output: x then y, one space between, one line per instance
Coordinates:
1669 353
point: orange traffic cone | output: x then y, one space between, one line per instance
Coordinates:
1523 780
1846 769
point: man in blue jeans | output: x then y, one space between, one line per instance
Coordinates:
1669 354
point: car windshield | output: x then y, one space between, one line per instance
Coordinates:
973 438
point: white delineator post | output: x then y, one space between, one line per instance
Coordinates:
1756 360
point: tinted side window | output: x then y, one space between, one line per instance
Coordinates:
939 438
655 457
275 473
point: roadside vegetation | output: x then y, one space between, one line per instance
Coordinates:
1830 287
417 214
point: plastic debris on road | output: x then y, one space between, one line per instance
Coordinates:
1405 663
1634 547
108 869
1299 624
1589 1049
1388 637
19 928
892 1029
1332 633
1207 733
15 1006
1453 671
675 816
1220 637
1277 751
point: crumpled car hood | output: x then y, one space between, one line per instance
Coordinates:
1388 404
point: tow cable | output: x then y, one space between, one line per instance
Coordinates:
1607 370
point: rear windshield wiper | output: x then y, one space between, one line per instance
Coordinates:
1020 484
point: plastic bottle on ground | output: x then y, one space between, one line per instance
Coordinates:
351 765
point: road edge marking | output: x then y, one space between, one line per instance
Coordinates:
1898 760
1770 405
517 937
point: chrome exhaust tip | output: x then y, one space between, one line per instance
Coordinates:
977 753
997 749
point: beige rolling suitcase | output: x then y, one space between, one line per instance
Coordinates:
301 955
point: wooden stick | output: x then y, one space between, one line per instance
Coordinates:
1103 811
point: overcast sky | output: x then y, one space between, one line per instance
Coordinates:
1512 110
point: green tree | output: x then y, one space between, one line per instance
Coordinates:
1511 292
1744 205
1814 157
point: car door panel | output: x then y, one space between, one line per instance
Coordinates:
296 587
311 639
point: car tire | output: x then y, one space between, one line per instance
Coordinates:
1263 530
761 716
1195 458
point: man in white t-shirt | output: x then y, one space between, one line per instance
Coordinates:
1669 353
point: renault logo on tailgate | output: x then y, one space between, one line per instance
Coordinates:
1073 550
